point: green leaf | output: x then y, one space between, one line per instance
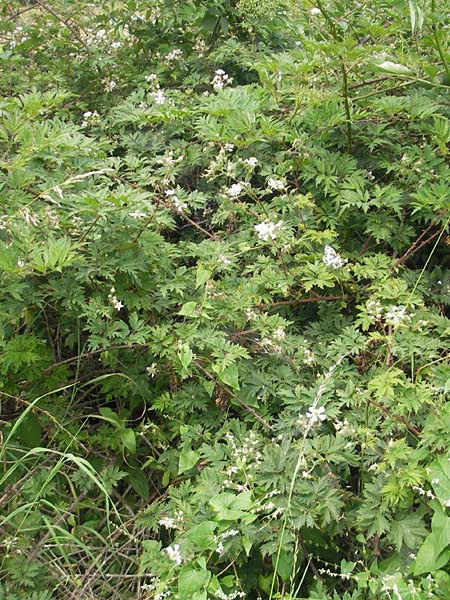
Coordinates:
284 563
30 431
188 459
202 276
191 581
428 558
128 439
139 482
439 477
230 376
188 309
434 552
185 355
202 536
230 507
209 387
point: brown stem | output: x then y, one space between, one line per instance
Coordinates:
300 301
64 22
224 387
415 245
399 418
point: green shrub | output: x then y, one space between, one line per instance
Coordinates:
225 289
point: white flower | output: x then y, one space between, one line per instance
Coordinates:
173 552
234 190
275 184
220 79
309 357
167 522
315 11
268 230
20 263
316 414
331 258
396 314
137 214
152 370
174 54
158 97
200 47
179 205
117 304
110 85
251 162
224 260
115 45
279 334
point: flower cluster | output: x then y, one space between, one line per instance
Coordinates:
251 162
90 118
396 315
117 304
267 230
178 204
314 414
222 537
275 184
220 80
331 258
235 190
245 456
173 55
167 522
174 554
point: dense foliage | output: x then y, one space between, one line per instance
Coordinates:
225 290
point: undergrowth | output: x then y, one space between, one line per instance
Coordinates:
225 289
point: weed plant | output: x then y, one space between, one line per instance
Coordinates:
224 300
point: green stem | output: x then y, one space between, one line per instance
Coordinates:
347 107
437 41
